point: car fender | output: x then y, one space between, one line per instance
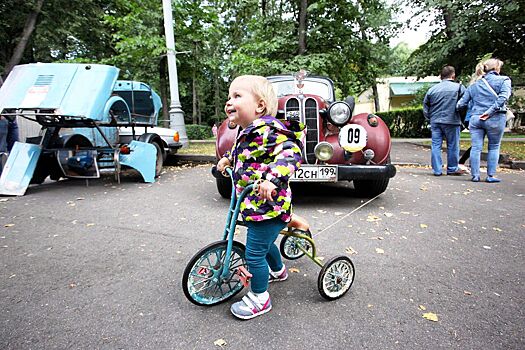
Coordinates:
113 100
152 137
225 139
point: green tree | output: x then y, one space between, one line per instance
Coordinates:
468 30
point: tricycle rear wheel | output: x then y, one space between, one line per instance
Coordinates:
336 277
201 281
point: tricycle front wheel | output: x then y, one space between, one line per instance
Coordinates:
336 277
202 282
289 246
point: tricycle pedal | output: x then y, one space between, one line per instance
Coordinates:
244 275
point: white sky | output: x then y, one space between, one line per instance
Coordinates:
413 37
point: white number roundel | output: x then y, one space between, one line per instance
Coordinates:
352 137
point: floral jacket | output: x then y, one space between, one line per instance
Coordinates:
268 149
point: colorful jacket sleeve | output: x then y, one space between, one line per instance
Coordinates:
287 159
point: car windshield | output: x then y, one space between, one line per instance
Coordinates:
288 87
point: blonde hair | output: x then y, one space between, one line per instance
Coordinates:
262 89
492 64
478 74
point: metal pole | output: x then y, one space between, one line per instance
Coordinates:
176 113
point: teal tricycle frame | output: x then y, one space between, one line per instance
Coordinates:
218 271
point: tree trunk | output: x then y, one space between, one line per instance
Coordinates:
218 103
29 27
263 8
448 17
164 92
194 98
376 97
195 102
302 26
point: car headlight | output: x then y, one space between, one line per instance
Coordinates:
339 113
324 151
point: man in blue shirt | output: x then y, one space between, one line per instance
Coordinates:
439 107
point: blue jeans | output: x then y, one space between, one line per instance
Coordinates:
493 128
451 134
261 251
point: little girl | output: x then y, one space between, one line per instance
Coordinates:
269 150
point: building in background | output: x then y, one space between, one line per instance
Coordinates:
393 93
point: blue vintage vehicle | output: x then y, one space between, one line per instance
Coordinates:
80 108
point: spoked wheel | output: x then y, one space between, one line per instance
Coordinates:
289 246
336 277
202 282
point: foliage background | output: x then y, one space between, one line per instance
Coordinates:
217 40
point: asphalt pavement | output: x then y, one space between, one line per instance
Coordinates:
439 265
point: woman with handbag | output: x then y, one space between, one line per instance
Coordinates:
489 96
478 74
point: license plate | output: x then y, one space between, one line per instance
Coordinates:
315 173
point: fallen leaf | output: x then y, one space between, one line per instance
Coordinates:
9 225
90 224
80 198
423 225
497 229
466 292
430 316
293 270
380 251
373 218
389 215
422 307
423 188
350 250
220 343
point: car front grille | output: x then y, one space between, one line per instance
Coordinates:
310 120
312 132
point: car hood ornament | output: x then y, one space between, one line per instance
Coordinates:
299 77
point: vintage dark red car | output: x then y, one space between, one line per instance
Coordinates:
338 147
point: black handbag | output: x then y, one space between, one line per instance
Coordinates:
463 111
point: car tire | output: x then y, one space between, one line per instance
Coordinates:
370 188
159 162
224 186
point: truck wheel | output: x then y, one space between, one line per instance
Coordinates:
160 159
224 186
370 188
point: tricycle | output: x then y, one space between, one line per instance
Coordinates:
218 271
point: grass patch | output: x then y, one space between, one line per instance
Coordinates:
507 135
207 149
515 149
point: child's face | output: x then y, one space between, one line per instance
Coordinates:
243 107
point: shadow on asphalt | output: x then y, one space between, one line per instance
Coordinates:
305 193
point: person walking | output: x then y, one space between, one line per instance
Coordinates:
489 96
478 74
439 107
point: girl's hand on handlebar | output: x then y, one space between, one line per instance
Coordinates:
222 164
267 190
